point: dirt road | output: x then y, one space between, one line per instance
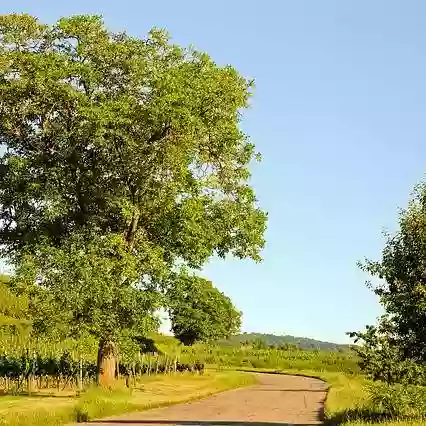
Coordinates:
286 400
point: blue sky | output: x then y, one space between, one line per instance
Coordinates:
339 116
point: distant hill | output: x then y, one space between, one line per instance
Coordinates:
165 343
272 339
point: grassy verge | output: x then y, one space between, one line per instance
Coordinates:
349 403
348 400
155 391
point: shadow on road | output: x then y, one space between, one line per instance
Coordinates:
291 390
198 423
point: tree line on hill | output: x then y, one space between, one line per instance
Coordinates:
272 340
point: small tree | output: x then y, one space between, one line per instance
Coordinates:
200 312
115 144
398 344
381 357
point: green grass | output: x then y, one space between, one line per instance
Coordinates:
155 391
348 400
349 403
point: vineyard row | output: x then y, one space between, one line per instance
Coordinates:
37 372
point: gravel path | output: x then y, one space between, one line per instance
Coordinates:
286 400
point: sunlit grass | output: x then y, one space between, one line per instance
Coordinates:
348 400
154 391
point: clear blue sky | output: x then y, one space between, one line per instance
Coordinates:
339 116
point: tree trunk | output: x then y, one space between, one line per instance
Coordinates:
107 361
131 232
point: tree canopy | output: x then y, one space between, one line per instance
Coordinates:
112 134
200 312
123 158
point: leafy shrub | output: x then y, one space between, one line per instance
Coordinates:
398 401
381 357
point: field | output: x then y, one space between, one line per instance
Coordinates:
283 359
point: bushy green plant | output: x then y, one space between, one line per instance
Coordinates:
382 359
398 401
395 349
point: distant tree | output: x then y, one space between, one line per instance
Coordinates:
288 347
147 345
400 336
259 343
123 157
200 312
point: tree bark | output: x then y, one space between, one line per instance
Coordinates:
107 361
131 232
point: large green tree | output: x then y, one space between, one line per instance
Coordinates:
117 144
398 344
199 311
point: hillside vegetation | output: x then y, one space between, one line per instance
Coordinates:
280 340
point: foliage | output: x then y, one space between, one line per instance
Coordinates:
13 308
200 312
397 346
381 360
94 283
15 323
399 401
123 157
136 137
